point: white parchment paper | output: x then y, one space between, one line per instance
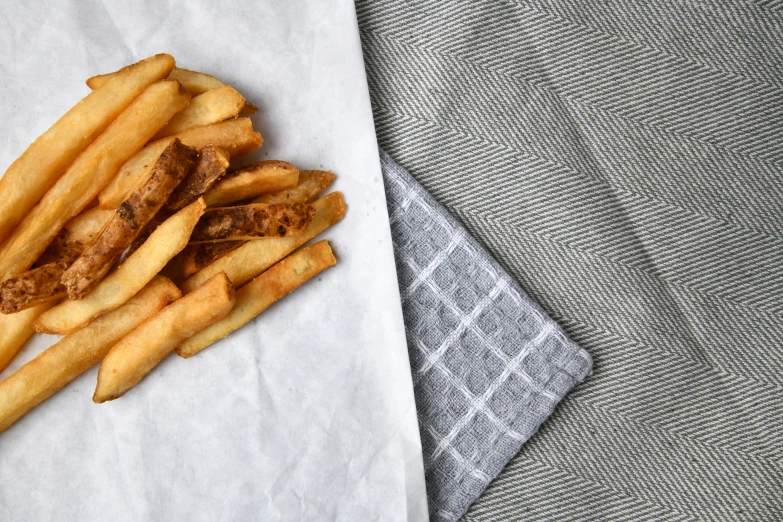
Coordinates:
308 412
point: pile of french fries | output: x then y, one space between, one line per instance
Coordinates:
124 229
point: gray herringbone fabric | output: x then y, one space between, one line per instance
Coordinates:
623 160
488 365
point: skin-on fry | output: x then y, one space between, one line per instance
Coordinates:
251 181
41 165
247 222
262 292
252 258
205 109
90 173
236 136
61 363
196 257
17 329
311 183
140 351
167 240
211 166
130 218
31 288
75 237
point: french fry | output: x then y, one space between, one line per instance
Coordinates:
31 288
90 173
61 363
211 107
44 162
310 184
262 292
247 222
16 331
252 258
167 240
141 350
235 136
251 181
211 166
129 219
195 82
196 257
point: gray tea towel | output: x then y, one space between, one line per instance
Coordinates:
488 364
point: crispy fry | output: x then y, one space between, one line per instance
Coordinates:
211 107
31 288
44 162
168 240
75 237
249 182
89 173
196 257
211 166
235 136
129 220
262 292
252 258
17 329
310 184
247 222
140 351
61 363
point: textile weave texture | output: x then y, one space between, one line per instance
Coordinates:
489 366
623 161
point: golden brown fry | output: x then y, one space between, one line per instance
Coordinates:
249 182
17 329
311 183
262 292
252 258
130 218
211 166
61 363
141 350
205 109
31 288
90 173
75 236
196 257
167 240
235 136
247 222
41 165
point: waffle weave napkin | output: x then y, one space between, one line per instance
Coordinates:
489 366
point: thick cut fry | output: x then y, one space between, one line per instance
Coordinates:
196 257
262 292
130 219
15 330
61 363
140 351
249 182
41 165
205 109
75 237
235 136
252 258
211 166
167 240
31 288
247 222
90 173
311 183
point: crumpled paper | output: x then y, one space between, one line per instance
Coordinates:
305 414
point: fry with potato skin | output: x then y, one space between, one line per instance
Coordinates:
119 286
17 329
129 220
310 184
196 257
236 136
252 258
91 171
31 288
205 109
75 236
211 166
61 363
251 181
262 292
246 222
29 177
141 350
